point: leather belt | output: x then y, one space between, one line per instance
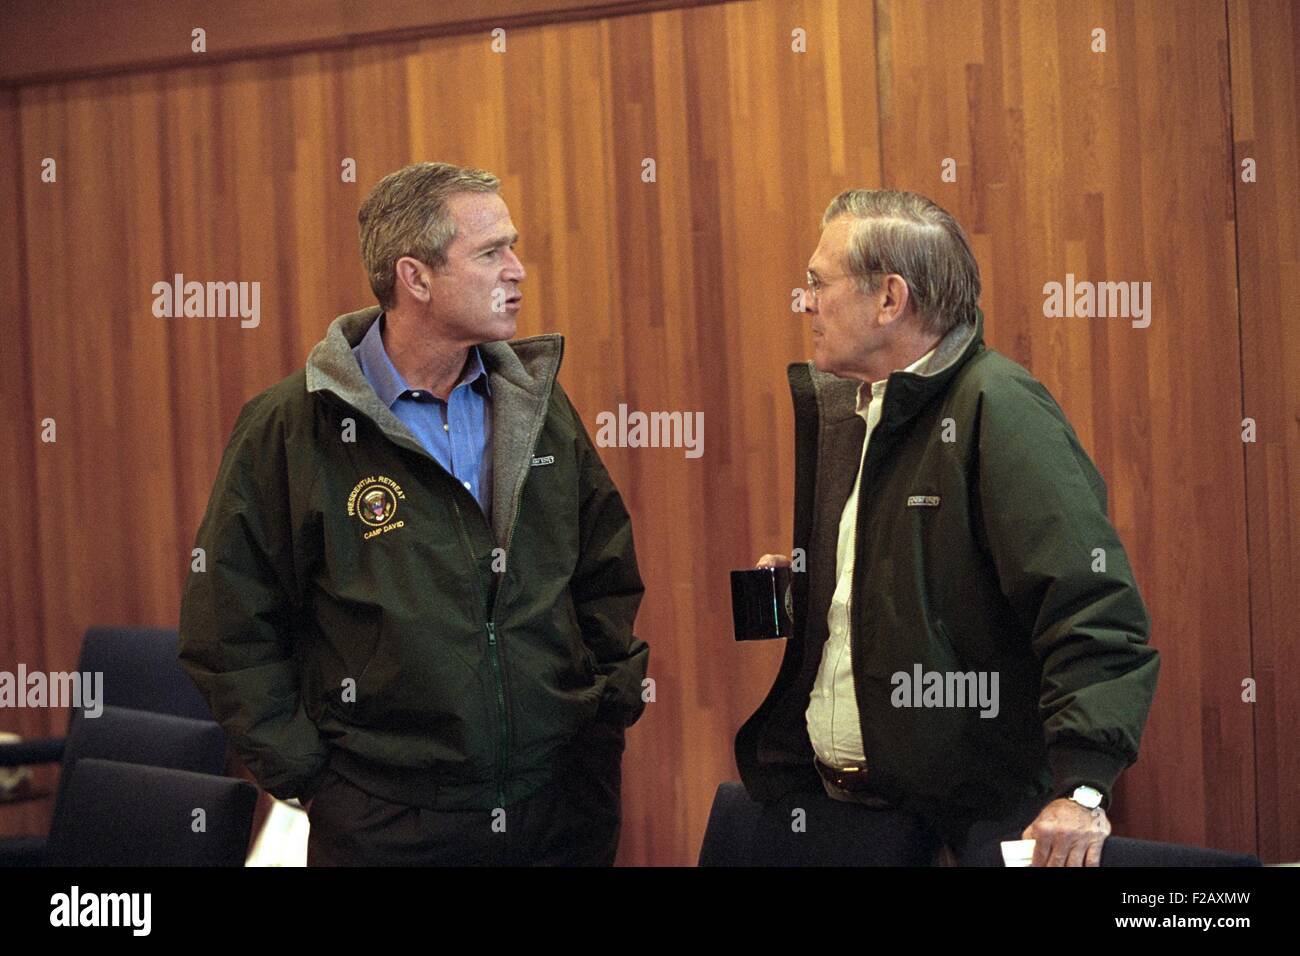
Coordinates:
852 781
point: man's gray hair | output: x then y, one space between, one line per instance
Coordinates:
406 215
907 234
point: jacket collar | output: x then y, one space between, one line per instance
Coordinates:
907 392
521 375
389 384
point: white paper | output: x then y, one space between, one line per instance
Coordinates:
1018 852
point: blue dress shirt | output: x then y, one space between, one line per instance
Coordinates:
457 432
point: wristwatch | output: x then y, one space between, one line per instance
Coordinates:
1087 797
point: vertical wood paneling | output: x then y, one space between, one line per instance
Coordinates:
1266 128
22 535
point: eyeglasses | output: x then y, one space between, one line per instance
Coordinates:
817 284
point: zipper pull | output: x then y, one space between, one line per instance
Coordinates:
492 632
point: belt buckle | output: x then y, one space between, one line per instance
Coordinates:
850 781
840 775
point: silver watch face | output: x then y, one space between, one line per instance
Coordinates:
1087 797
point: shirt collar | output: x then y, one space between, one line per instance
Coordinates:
387 381
877 390
475 372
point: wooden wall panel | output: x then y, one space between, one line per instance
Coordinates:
675 295
22 535
1113 166
44 41
1265 37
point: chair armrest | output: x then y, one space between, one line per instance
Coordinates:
26 753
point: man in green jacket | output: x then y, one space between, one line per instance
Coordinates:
969 661
414 599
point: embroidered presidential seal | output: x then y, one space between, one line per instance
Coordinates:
374 501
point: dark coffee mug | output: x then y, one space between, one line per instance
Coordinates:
761 606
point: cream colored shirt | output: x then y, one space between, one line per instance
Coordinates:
833 725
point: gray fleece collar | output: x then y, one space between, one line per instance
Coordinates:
531 363
837 397
521 374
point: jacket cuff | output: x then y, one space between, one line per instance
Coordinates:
614 710
304 788
1076 766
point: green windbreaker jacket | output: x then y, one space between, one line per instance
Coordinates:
983 545
356 610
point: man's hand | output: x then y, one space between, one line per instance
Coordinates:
1067 834
773 561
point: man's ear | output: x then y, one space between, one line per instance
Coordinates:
893 298
412 276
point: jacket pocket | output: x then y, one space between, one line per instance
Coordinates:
581 658
357 710
348 640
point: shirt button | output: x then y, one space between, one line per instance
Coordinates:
466 484
446 428
417 394
826 694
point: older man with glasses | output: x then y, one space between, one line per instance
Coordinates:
956 538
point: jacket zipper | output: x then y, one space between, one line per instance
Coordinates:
502 738
494 651
494 647
500 760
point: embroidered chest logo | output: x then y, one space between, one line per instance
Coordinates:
923 501
543 460
374 501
